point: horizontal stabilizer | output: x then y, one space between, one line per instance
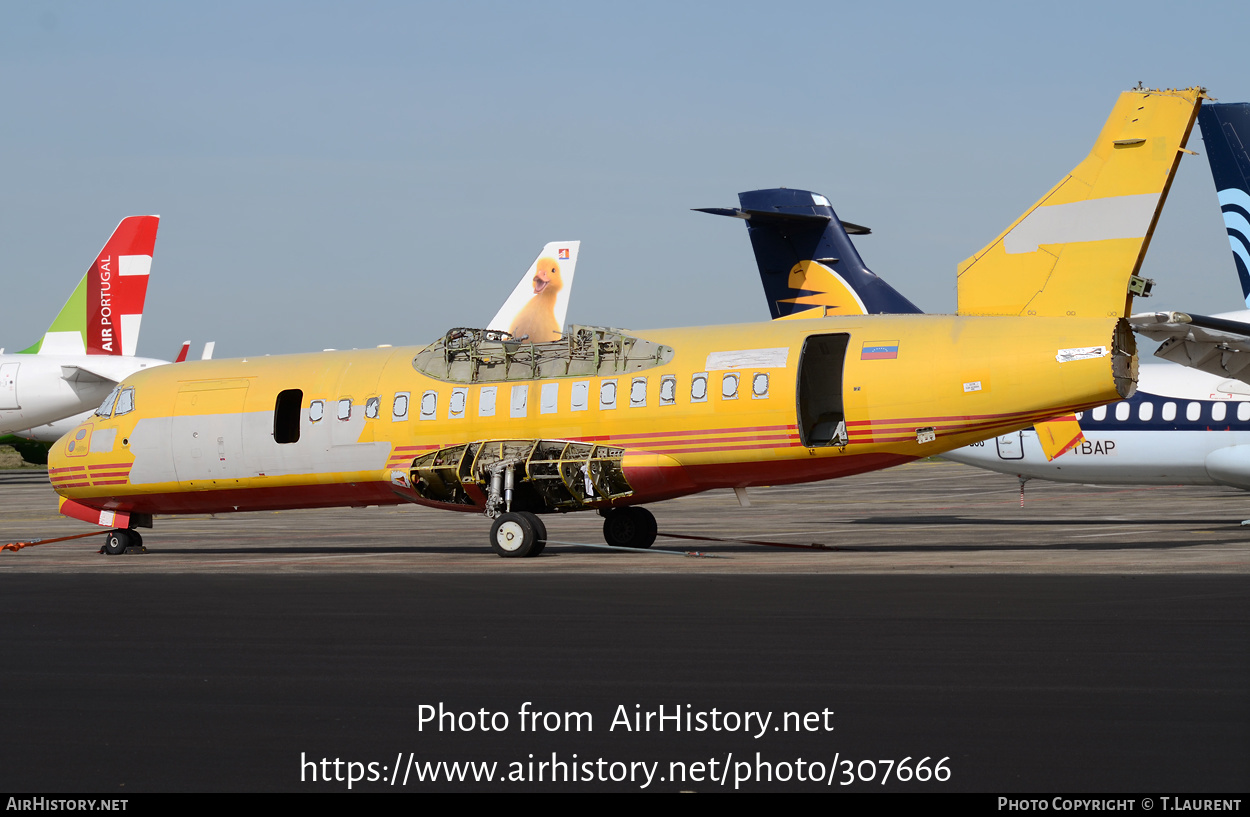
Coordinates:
767 217
84 374
1219 346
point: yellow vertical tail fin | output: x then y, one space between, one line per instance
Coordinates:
1075 250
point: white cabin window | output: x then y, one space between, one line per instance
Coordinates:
1193 411
759 386
455 406
1169 411
371 407
607 395
520 401
1145 411
698 387
729 386
399 409
1100 413
316 410
345 409
1122 411
638 392
1218 412
429 405
486 402
1243 411
549 398
668 390
579 396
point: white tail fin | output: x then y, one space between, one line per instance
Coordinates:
536 308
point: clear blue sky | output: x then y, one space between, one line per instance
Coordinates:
335 175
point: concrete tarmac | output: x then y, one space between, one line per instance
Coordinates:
1097 640
928 517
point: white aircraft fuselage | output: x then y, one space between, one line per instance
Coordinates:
1182 427
37 391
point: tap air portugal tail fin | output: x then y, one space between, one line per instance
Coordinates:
103 313
1225 132
808 265
536 308
1079 248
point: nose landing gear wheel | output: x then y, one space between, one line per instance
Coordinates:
631 527
116 541
514 535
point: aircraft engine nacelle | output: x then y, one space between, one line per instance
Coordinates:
1230 466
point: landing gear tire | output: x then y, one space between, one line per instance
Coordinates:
540 531
116 541
514 535
629 528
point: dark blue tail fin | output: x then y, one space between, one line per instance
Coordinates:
808 265
1225 132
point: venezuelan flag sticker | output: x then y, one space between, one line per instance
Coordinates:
879 350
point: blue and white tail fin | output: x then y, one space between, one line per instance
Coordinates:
808 265
1225 133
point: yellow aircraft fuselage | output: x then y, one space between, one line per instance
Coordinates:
692 409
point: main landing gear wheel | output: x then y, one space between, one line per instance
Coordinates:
630 527
540 530
116 541
515 535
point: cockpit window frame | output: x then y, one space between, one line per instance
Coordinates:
106 407
129 391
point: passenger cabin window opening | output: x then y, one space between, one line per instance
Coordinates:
1121 411
729 386
1243 411
698 387
519 404
1169 411
579 396
399 408
286 409
822 421
638 392
429 405
1218 412
668 390
607 395
1193 411
1100 413
549 398
345 409
1145 411
759 386
125 402
316 410
371 407
486 401
455 406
